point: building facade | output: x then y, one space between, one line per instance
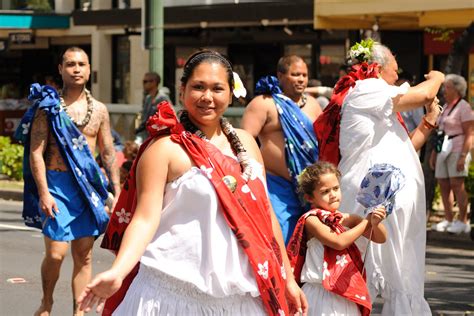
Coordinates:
253 34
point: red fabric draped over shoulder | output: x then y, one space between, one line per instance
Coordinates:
327 125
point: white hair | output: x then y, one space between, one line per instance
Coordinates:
459 83
380 54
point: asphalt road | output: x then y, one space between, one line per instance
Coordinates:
22 250
449 284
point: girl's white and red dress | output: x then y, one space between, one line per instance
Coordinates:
320 300
333 276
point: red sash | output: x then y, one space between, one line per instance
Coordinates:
246 211
327 125
342 268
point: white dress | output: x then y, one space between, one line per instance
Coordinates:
370 133
194 264
321 302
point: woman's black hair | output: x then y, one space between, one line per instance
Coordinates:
207 56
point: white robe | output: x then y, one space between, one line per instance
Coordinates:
370 133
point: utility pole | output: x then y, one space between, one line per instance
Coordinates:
155 16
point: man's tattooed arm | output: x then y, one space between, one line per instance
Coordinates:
107 150
38 143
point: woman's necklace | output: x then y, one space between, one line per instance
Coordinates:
302 103
90 108
231 135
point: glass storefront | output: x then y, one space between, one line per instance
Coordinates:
331 58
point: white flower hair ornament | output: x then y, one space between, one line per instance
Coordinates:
361 52
239 89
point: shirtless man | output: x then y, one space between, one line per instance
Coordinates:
63 217
284 138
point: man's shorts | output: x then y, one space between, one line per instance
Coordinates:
75 218
446 165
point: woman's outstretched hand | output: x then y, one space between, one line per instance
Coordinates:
103 286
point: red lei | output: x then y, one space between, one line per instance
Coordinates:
245 211
327 125
343 273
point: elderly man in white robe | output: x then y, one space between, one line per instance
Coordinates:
370 133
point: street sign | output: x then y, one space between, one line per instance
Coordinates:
21 38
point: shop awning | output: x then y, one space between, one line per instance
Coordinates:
392 14
217 15
33 21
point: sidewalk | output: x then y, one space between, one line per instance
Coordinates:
11 190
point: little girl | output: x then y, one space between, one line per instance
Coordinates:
332 272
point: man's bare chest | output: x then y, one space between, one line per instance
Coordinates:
88 124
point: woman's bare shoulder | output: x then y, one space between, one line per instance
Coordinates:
165 153
161 148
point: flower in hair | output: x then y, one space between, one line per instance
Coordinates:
239 89
362 51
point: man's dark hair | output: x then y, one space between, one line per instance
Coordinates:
155 76
285 62
71 49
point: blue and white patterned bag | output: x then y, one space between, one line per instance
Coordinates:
379 186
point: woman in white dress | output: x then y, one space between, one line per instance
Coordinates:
195 255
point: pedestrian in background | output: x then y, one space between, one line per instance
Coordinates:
152 97
451 163
320 93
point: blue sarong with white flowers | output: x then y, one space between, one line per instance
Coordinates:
75 151
301 147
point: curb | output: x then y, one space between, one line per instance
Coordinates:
455 241
15 195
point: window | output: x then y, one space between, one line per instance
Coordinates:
83 5
332 57
121 69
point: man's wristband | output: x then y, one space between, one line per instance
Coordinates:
463 154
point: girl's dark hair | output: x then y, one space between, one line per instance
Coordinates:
310 177
207 56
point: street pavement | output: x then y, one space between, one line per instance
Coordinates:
21 252
449 284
